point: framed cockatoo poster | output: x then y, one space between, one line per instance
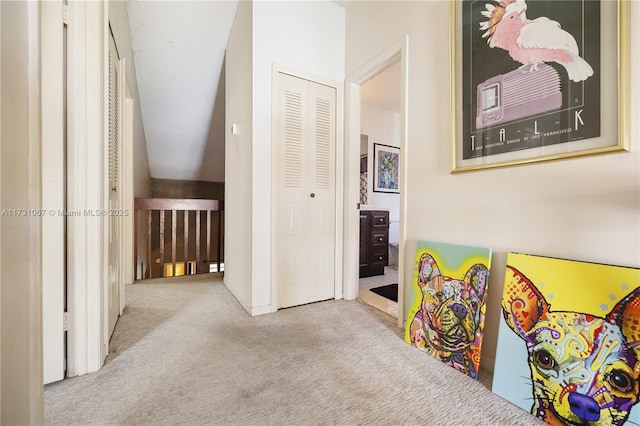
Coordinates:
538 80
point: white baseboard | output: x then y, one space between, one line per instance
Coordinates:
260 310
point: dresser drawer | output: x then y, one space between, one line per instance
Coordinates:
380 219
379 237
379 257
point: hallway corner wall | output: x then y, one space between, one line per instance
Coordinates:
238 157
21 368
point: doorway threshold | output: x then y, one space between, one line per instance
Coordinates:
366 296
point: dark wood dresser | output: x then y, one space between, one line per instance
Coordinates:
374 242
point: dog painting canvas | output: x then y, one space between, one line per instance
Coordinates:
446 311
569 341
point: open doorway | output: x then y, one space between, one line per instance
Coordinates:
398 52
380 141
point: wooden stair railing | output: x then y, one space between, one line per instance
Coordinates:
157 228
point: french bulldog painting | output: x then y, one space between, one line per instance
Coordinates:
449 322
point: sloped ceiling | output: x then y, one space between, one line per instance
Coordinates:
178 49
383 90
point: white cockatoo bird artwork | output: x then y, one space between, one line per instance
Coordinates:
532 42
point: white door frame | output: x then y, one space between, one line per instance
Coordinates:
339 159
88 188
53 235
87 261
128 269
389 56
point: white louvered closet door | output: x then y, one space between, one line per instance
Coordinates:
304 246
114 184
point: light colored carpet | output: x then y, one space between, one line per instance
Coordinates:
186 353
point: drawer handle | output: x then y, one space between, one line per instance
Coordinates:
380 257
380 239
381 220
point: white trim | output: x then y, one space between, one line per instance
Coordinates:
339 160
1 384
122 186
277 68
351 182
340 194
53 235
104 182
397 51
76 268
0 215
86 272
261 310
128 193
274 167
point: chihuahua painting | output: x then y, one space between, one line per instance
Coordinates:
450 317
585 368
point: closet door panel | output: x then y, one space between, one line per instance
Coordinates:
304 194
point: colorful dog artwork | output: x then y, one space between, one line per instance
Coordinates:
575 327
446 314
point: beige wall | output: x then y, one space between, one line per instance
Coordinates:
212 166
584 208
21 334
238 156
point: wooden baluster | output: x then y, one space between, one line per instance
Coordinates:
219 237
197 241
162 243
186 240
151 205
149 244
208 241
174 225
135 244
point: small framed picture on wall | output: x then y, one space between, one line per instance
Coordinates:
386 162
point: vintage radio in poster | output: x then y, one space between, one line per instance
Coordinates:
530 74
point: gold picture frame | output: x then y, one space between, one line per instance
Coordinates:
536 128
